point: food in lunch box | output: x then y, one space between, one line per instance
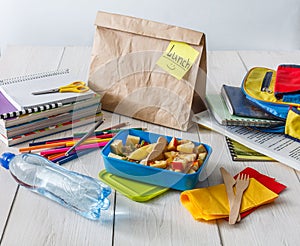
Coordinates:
177 155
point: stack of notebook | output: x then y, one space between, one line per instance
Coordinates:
219 119
24 116
231 107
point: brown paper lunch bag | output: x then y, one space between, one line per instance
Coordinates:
123 71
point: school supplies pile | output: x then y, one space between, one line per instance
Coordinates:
276 94
25 116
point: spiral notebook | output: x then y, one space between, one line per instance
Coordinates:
18 90
220 112
240 152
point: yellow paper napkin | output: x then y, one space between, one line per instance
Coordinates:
212 203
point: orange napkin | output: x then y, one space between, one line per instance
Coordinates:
211 203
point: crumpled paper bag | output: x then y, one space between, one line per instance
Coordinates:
124 72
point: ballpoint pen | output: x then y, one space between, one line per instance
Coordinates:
87 135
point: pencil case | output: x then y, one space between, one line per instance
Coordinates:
287 83
276 94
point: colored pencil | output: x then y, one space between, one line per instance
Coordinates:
81 147
62 144
106 135
97 133
55 156
52 140
43 146
116 126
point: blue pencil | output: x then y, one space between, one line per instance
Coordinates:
73 156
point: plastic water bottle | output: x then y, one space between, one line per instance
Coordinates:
83 194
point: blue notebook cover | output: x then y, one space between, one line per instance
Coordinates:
239 105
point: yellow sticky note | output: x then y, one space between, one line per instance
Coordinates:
178 59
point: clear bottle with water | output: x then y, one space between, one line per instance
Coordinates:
83 194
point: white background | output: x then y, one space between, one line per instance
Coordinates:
228 24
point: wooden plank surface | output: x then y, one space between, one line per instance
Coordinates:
163 220
20 61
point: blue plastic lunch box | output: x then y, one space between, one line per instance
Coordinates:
147 174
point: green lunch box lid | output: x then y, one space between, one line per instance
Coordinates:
134 190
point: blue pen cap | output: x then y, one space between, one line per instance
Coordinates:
6 158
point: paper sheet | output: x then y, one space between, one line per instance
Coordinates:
276 146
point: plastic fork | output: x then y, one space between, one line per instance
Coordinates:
242 183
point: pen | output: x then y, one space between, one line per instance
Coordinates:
87 135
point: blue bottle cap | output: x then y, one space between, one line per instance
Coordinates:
6 158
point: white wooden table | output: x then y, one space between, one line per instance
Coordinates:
29 219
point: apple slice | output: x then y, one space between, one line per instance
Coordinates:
116 156
170 154
141 153
159 164
189 157
186 147
173 144
179 164
200 149
202 156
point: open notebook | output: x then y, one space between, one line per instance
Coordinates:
19 90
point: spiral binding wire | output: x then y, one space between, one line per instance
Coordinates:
33 76
36 109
